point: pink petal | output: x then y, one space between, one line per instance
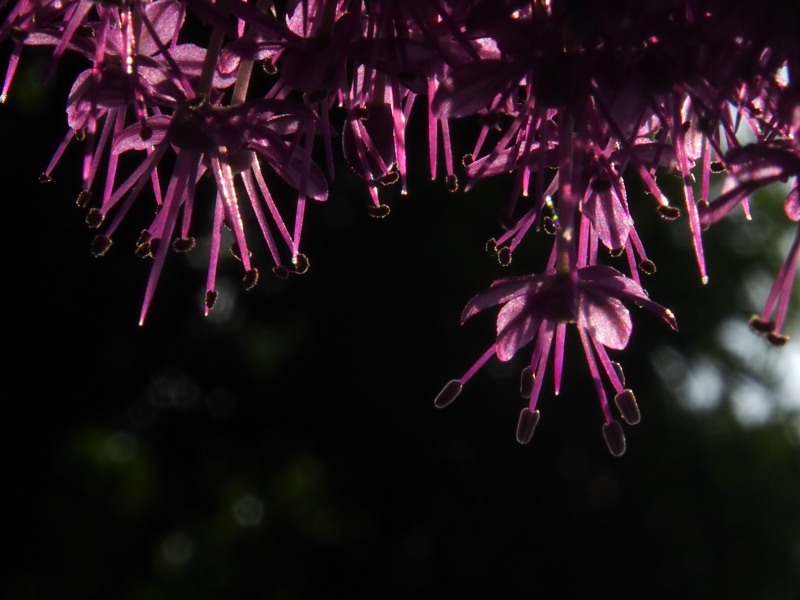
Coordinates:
606 319
610 218
516 327
792 205
473 86
501 291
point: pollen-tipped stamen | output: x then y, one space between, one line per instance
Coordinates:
528 419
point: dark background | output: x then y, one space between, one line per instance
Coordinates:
287 446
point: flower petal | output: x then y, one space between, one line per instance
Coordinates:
606 319
501 291
516 326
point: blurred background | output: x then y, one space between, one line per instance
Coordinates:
287 446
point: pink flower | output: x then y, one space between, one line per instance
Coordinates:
537 308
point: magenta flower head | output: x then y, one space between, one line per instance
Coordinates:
537 308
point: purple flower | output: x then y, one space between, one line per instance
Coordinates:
537 308
571 99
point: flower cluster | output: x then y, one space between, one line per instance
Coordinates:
573 98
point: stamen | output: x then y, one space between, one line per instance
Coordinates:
626 403
269 67
280 272
183 245
449 393
381 211
83 198
668 212
144 237
301 264
526 383
147 249
100 245
761 326
94 218
647 266
619 371
210 299
250 279
452 183
528 419
504 256
615 437
777 339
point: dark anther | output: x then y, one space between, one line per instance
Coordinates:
526 381
504 256
761 326
361 112
615 437
616 252
94 218
250 279
626 403
717 167
85 31
146 132
379 212
148 249
620 372
183 245
647 266
45 178
449 393
528 419
452 183
467 160
236 251
491 247
80 134
269 67
211 299
280 272
390 178
777 339
83 198
144 237
100 245
669 213
301 264
549 225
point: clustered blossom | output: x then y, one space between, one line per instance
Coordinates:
573 99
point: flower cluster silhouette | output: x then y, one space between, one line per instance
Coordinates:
572 99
